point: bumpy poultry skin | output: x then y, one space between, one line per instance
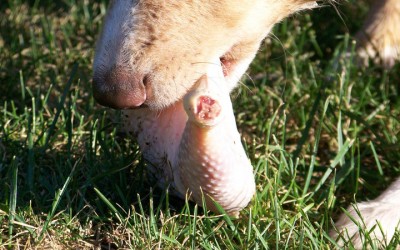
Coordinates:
212 161
195 146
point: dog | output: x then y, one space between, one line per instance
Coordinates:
151 52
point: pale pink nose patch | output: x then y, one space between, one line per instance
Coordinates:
195 146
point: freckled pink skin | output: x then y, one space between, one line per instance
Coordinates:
195 146
159 135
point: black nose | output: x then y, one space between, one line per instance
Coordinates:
119 88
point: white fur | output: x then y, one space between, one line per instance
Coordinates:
111 47
172 43
382 215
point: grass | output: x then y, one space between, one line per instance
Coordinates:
319 131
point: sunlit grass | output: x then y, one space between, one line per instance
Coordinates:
317 128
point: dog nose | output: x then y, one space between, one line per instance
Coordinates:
119 88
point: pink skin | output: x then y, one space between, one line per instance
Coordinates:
195 146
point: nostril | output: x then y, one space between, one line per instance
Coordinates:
147 84
119 88
146 80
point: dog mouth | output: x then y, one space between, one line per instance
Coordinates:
227 63
194 145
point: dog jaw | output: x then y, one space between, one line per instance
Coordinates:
194 146
165 46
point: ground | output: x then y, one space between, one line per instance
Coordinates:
320 132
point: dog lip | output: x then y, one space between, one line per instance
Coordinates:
140 107
143 106
227 64
119 100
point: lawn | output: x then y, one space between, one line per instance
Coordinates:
320 132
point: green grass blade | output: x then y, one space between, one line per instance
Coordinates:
315 149
57 199
376 157
13 196
346 146
59 108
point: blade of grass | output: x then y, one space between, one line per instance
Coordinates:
260 237
376 157
306 131
60 105
109 204
56 202
13 195
31 154
346 146
315 149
